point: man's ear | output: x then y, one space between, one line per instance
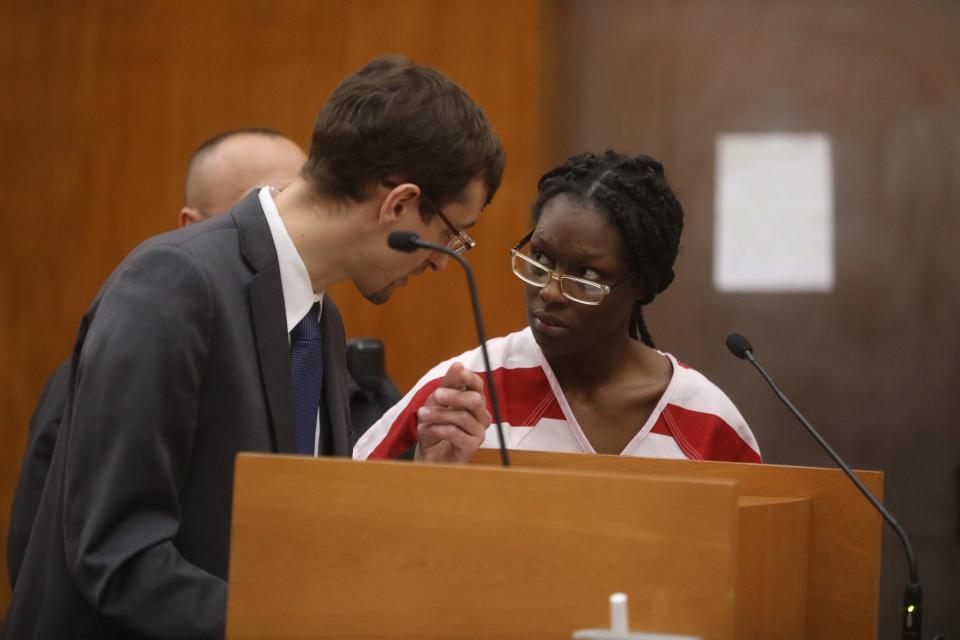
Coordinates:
189 215
398 200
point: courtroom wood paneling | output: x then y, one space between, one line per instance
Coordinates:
873 363
507 70
104 101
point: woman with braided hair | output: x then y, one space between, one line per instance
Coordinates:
585 376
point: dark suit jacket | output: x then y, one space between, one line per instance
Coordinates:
182 361
44 426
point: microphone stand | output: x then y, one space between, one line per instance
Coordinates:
912 596
410 241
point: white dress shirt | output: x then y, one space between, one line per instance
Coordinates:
298 293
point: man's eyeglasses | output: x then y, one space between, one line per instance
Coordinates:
577 289
460 241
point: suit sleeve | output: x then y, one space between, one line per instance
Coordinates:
131 431
44 426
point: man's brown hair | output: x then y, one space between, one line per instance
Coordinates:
395 117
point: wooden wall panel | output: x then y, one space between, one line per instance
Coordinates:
103 103
505 69
874 362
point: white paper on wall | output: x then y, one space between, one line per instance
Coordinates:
774 213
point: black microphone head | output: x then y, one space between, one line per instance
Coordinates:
738 345
405 241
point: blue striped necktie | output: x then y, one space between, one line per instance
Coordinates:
306 367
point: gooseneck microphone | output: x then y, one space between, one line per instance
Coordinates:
408 242
912 597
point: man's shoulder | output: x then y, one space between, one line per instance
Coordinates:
218 244
194 238
246 218
175 268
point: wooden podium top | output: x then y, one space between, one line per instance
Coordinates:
344 549
337 548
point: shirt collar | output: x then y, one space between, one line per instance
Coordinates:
298 293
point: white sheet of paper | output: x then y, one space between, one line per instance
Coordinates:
774 213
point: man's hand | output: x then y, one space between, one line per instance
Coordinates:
454 419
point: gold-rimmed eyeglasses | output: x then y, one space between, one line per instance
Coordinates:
573 288
460 241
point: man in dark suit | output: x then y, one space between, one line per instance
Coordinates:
220 172
217 338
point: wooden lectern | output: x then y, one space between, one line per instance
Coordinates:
330 548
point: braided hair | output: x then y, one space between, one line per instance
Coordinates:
636 196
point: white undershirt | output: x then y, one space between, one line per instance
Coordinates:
298 293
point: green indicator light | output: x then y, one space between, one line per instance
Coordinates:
910 609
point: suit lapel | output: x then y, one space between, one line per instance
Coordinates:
269 318
335 393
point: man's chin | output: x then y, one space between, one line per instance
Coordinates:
382 295
379 297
